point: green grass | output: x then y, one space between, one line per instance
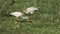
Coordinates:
44 21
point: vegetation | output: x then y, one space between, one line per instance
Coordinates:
44 21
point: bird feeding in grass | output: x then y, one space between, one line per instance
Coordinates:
16 14
19 14
30 10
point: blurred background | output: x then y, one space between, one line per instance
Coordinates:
44 21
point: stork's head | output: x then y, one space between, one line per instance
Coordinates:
26 18
24 11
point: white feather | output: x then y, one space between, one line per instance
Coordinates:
17 14
31 10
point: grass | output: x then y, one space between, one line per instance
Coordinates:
44 21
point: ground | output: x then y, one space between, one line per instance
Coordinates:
44 21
